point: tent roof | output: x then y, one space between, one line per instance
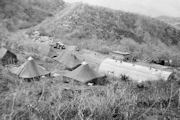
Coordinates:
83 74
46 50
68 59
3 51
29 69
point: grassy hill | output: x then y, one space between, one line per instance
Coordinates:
84 21
104 29
93 27
20 14
175 21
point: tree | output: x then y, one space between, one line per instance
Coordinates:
130 44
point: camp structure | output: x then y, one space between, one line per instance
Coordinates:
83 75
46 50
69 60
7 57
138 73
119 55
164 61
30 70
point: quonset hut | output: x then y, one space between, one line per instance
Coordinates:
138 73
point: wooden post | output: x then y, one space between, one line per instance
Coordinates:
179 99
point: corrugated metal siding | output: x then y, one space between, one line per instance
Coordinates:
135 72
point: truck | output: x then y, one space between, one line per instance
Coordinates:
59 45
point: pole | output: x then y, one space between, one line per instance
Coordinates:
179 100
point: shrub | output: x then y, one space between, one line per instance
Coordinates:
124 78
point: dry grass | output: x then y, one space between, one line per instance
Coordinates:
50 99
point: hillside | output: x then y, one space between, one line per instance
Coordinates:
93 27
84 21
100 29
20 14
175 21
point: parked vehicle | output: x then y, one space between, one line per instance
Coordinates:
59 45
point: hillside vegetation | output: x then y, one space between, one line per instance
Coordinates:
51 99
91 27
20 14
84 21
175 21
102 29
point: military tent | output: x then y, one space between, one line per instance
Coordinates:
69 60
7 57
83 74
46 50
29 70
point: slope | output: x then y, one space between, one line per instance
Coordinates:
20 14
175 21
85 22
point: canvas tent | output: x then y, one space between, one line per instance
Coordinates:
29 70
83 74
7 57
137 73
46 50
69 60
